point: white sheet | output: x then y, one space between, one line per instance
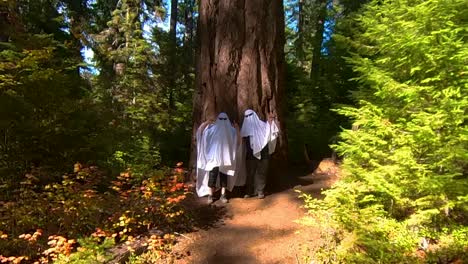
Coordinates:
216 147
261 133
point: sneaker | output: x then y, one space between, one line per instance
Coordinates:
210 199
247 196
261 195
223 199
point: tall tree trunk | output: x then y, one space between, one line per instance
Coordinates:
10 20
78 13
172 51
188 43
300 34
240 62
317 44
189 23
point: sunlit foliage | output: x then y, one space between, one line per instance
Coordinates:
403 196
43 223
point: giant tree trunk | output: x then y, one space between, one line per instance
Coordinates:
240 62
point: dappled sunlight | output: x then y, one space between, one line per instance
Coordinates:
261 235
249 229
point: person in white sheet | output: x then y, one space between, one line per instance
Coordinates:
217 143
260 142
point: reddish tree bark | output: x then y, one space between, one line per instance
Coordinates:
240 62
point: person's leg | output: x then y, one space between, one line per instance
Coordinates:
250 173
223 181
260 177
212 177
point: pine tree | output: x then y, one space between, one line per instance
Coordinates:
406 161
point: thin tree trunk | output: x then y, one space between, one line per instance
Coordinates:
78 14
172 51
240 62
188 43
300 34
317 44
189 10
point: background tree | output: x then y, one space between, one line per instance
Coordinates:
314 89
41 92
321 6
189 13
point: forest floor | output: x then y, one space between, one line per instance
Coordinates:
253 230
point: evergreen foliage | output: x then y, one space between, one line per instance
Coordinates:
57 110
312 125
403 195
43 101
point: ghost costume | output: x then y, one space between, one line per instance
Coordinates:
260 142
216 150
260 133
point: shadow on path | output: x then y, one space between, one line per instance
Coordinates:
203 216
253 230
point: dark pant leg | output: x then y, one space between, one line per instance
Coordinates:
251 166
260 175
212 177
223 178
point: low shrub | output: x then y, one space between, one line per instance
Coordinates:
48 222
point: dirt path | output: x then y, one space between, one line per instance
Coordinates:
251 230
